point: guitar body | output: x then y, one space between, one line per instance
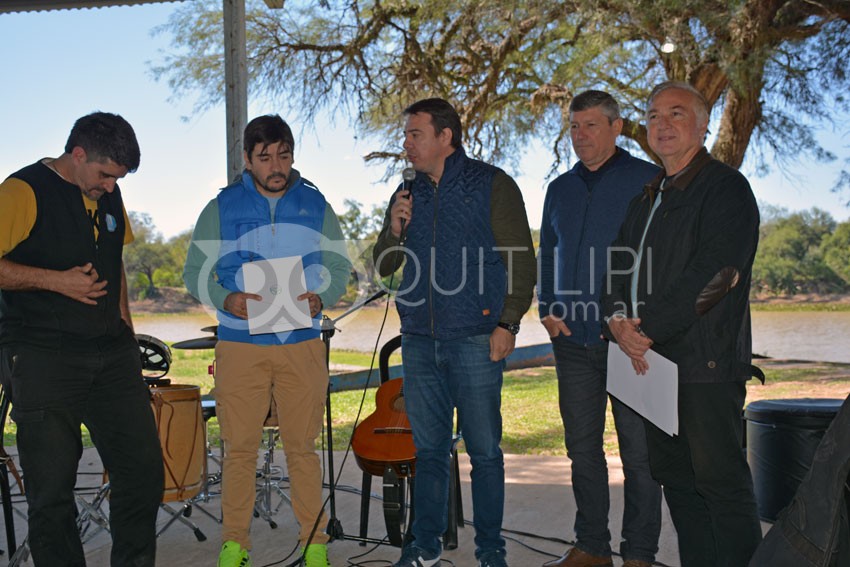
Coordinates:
385 437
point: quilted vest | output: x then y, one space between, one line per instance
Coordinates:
454 281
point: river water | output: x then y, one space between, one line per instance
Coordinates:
822 336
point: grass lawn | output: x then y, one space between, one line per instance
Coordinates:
532 424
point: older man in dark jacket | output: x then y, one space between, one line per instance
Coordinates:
679 284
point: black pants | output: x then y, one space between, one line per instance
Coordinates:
53 392
706 480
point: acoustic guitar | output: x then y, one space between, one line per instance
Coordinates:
385 438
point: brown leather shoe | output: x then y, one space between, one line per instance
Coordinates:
578 558
636 563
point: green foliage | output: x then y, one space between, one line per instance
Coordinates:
166 277
797 306
361 230
139 286
357 225
792 254
150 262
836 251
771 71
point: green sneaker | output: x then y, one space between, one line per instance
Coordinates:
233 555
316 555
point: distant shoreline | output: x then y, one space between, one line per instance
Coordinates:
802 302
174 301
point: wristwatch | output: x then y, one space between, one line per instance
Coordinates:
512 328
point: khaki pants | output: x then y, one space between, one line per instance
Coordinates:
247 377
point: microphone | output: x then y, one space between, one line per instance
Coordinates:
408 175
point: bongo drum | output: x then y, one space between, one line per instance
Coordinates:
182 436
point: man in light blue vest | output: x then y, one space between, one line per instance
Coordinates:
271 212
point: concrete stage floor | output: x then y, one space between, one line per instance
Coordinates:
539 512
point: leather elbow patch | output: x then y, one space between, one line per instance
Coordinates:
721 284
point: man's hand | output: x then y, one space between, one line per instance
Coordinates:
502 344
315 302
402 209
79 283
555 326
631 341
236 303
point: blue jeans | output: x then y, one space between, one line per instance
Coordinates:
706 478
53 392
438 377
583 399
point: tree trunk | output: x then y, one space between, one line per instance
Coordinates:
740 116
151 291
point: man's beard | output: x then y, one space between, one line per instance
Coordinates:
269 178
94 194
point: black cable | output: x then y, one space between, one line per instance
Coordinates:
288 555
352 563
356 423
505 531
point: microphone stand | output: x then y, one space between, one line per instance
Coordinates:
334 529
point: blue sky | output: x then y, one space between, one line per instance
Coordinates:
58 66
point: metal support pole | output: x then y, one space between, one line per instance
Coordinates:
235 83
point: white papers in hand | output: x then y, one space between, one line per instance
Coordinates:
279 282
654 395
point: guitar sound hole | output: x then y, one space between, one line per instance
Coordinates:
398 404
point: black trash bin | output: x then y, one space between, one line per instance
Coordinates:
782 436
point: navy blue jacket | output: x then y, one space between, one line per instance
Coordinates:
577 228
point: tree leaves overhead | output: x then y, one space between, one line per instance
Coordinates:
769 68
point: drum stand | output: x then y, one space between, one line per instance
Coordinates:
182 514
18 553
208 411
92 513
334 529
270 479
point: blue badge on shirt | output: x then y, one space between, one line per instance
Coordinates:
111 223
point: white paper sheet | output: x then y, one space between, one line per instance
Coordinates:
279 281
654 395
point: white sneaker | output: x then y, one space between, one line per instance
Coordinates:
413 556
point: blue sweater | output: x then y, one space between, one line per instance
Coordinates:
578 226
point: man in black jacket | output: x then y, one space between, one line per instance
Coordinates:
68 355
679 283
